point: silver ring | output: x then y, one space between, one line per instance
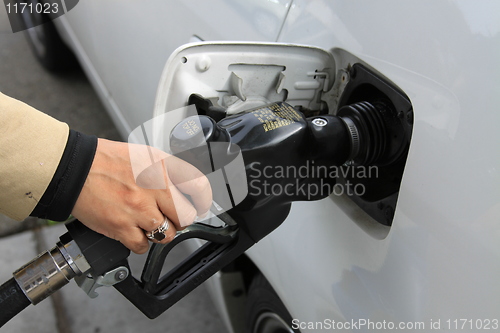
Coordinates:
159 233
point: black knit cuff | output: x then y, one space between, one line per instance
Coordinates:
60 197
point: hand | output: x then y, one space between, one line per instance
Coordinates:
130 190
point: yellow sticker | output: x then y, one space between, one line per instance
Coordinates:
277 115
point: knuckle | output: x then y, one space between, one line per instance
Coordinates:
139 247
135 199
154 222
115 224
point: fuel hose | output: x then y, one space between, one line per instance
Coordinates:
12 301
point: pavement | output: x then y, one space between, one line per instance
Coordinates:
70 98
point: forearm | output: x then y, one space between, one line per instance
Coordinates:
43 166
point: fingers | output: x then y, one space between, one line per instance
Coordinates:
189 180
153 177
148 225
177 208
135 240
129 192
165 233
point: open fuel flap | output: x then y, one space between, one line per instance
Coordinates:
242 76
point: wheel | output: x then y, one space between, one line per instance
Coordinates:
266 313
45 42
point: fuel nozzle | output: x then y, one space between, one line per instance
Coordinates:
284 151
361 130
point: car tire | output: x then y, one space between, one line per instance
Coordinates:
45 42
266 313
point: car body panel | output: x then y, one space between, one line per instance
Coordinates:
440 259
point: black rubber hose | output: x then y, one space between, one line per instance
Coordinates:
12 301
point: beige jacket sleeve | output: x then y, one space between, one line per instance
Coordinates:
31 146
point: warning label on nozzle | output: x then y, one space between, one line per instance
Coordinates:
277 115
